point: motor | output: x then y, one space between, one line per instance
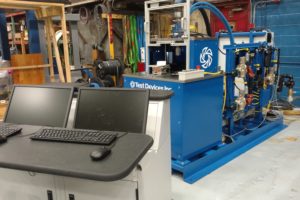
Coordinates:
110 67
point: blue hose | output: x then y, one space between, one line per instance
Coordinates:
217 12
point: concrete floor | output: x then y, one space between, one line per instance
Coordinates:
269 171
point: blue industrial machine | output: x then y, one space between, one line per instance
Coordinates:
223 114
204 54
196 122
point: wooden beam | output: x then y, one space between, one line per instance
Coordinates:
110 37
114 16
24 67
15 14
66 46
291 112
53 11
56 51
42 9
19 6
39 13
15 7
30 3
50 53
23 49
82 2
47 12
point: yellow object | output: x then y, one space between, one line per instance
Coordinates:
244 49
193 28
110 37
225 94
213 73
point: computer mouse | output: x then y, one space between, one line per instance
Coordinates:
100 154
3 139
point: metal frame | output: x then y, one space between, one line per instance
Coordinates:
251 35
197 166
217 157
72 20
230 67
186 15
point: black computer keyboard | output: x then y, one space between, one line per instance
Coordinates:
7 130
75 136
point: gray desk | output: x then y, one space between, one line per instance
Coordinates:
73 160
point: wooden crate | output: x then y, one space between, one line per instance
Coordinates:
28 76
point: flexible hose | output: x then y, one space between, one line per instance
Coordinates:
217 12
206 21
225 94
255 6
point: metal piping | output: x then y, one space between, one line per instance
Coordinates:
255 6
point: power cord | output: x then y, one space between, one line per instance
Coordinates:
232 136
118 137
30 134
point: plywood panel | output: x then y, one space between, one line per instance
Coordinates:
28 76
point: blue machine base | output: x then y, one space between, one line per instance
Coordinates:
204 164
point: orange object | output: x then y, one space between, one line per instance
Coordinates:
110 36
249 99
250 72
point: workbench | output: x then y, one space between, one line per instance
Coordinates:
72 160
32 170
